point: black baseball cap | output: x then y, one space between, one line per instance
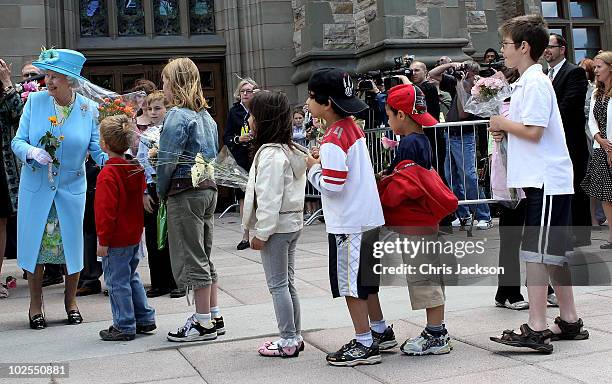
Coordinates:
336 84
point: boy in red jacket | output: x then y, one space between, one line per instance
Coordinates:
119 222
414 212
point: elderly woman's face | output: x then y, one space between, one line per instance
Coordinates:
246 92
57 84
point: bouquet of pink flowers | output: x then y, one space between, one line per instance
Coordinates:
388 143
28 87
488 94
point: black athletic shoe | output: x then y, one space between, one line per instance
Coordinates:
176 293
147 328
385 340
193 331
219 325
354 353
113 334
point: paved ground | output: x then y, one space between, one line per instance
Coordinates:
247 309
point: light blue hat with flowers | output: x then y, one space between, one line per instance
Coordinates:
64 61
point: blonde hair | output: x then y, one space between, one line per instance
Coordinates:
183 79
606 57
154 97
117 133
246 80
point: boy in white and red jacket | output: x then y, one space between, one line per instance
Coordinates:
343 173
414 200
119 222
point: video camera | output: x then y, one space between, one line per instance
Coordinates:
497 65
367 81
489 69
456 72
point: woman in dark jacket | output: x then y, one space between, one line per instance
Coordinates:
237 137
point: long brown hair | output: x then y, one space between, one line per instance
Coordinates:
606 57
589 68
273 118
184 81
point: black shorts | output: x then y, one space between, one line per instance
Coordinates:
351 264
547 231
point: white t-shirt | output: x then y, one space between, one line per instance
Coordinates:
546 162
345 178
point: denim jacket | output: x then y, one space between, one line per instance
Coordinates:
185 134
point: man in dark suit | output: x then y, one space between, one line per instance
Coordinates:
570 83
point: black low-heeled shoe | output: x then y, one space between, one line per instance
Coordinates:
37 321
244 244
74 317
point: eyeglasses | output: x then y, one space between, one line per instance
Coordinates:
29 74
553 46
246 91
504 43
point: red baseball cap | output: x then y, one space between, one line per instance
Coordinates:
409 99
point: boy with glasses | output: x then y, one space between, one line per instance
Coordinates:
539 163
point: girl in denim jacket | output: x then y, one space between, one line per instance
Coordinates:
188 130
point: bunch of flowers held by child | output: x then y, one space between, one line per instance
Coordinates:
488 94
223 169
112 107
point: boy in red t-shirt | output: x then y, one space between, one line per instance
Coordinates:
413 207
119 222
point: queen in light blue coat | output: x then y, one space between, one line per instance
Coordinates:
52 194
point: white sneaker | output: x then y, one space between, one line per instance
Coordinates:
460 222
552 300
426 344
484 224
517 305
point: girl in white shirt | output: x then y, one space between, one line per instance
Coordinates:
273 212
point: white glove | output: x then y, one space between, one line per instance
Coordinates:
40 155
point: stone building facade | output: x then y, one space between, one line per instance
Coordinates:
277 42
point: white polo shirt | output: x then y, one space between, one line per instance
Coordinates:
547 162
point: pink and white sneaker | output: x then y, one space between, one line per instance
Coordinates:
271 349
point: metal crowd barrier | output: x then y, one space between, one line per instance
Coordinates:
462 135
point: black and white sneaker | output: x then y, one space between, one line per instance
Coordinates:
354 353
219 325
385 340
194 331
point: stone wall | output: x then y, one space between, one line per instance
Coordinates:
365 12
259 42
27 25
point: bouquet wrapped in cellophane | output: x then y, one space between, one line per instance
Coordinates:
487 96
223 170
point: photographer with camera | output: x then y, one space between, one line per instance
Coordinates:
460 166
369 90
490 62
432 100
